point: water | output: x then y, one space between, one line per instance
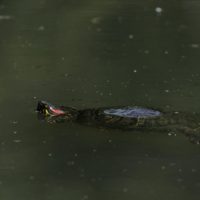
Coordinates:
91 54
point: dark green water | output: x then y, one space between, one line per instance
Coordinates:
90 54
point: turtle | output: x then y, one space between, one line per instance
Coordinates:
125 118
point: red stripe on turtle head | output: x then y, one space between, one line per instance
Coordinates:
56 111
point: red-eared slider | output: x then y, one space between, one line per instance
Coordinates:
126 118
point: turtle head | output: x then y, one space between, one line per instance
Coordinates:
50 113
48 109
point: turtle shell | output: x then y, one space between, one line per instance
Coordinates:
133 112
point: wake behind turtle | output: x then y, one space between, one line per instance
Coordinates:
125 118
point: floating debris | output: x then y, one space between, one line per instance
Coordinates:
135 71
163 167
125 190
166 52
167 91
159 10
94 150
14 122
5 17
31 178
17 141
131 36
96 20
194 170
70 163
85 197
195 46
41 28
169 134
172 164
179 180
124 170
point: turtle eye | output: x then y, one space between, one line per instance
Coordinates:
46 111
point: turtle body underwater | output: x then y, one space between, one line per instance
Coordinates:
125 118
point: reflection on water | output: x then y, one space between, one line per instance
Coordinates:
91 54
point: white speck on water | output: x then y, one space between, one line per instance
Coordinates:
41 28
50 154
172 164
169 134
15 132
135 71
166 52
146 51
183 57
124 170
194 170
195 46
110 141
163 167
94 150
17 141
34 97
32 178
179 180
159 10
125 189
14 122
70 163
180 170
131 36
85 197
167 91
5 17
96 20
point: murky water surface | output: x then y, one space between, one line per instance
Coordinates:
90 54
